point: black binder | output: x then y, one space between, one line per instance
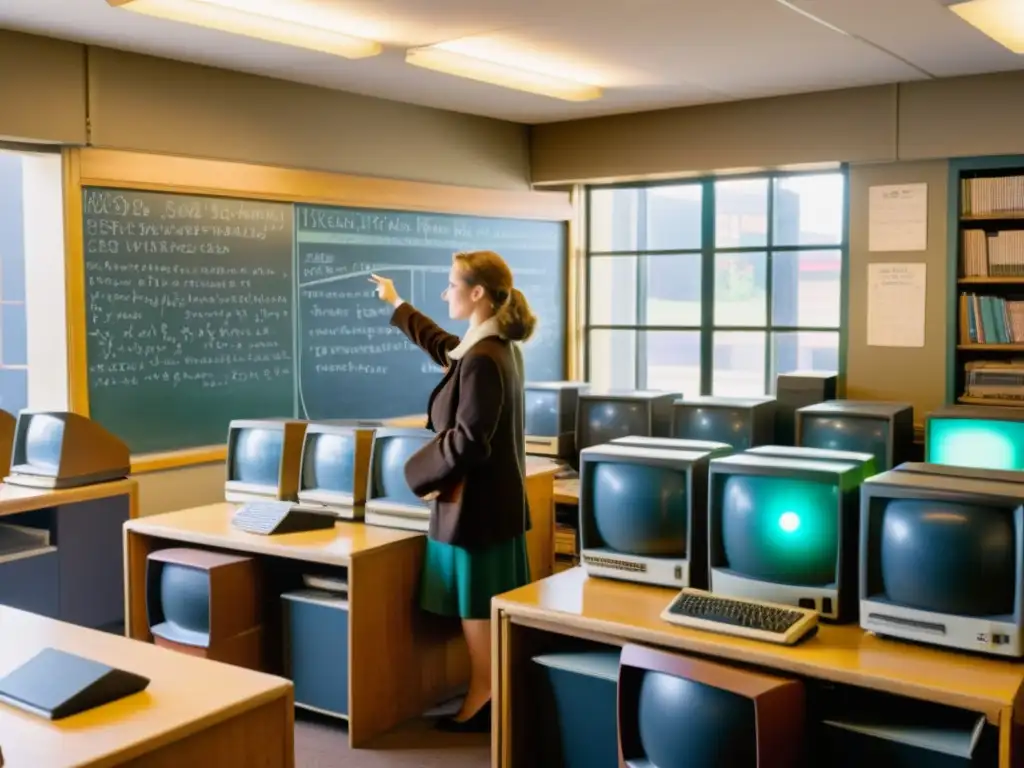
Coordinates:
55 684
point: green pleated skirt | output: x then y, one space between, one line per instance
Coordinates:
461 582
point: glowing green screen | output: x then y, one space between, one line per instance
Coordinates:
978 443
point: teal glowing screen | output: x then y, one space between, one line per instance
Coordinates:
780 529
977 443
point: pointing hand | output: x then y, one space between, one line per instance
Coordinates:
386 290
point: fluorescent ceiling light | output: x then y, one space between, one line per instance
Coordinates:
473 68
203 13
1002 20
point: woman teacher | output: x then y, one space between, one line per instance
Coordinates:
473 471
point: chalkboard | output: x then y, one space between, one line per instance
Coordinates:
201 309
351 362
188 314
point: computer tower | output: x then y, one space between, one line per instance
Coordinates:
795 390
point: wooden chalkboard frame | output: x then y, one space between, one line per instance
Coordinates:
89 167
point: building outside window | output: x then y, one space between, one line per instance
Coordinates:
713 286
13 326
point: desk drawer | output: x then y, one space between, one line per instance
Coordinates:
316 649
32 583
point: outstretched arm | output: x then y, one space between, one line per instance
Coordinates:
446 459
424 333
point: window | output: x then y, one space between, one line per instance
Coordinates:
713 286
13 331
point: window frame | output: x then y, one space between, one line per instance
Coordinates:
707 253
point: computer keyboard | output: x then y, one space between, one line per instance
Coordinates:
270 517
758 620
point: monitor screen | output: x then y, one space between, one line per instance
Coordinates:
43 442
862 434
978 443
723 425
946 556
329 462
780 529
640 509
256 458
184 604
389 457
542 417
604 420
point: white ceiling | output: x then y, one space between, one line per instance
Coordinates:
647 54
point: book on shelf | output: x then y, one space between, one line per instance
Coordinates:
990 196
995 382
993 254
990 320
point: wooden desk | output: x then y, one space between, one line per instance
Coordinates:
570 604
567 491
540 539
80 578
194 712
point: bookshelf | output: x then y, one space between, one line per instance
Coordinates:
986 318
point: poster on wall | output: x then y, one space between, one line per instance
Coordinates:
896 305
898 217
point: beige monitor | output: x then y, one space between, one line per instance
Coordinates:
263 461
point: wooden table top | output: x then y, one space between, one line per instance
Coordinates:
15 499
567 490
186 694
842 654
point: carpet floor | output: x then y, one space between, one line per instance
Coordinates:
322 742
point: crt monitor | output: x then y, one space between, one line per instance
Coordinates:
642 514
334 467
740 422
678 710
796 389
784 530
942 558
866 461
551 417
985 437
603 415
263 459
390 502
58 449
884 429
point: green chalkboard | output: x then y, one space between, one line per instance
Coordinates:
188 314
351 362
200 310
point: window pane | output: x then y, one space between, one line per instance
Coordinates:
611 293
741 213
13 389
674 217
612 359
673 361
613 217
673 289
739 364
13 335
806 288
809 210
741 292
804 351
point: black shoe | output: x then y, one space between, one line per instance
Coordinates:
478 722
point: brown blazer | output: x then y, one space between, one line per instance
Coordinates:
476 462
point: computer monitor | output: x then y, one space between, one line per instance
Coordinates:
263 459
942 561
985 437
334 467
797 389
740 422
390 502
884 429
642 514
784 530
58 449
206 603
673 444
866 461
551 417
603 415
677 710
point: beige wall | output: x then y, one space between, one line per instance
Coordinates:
915 375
